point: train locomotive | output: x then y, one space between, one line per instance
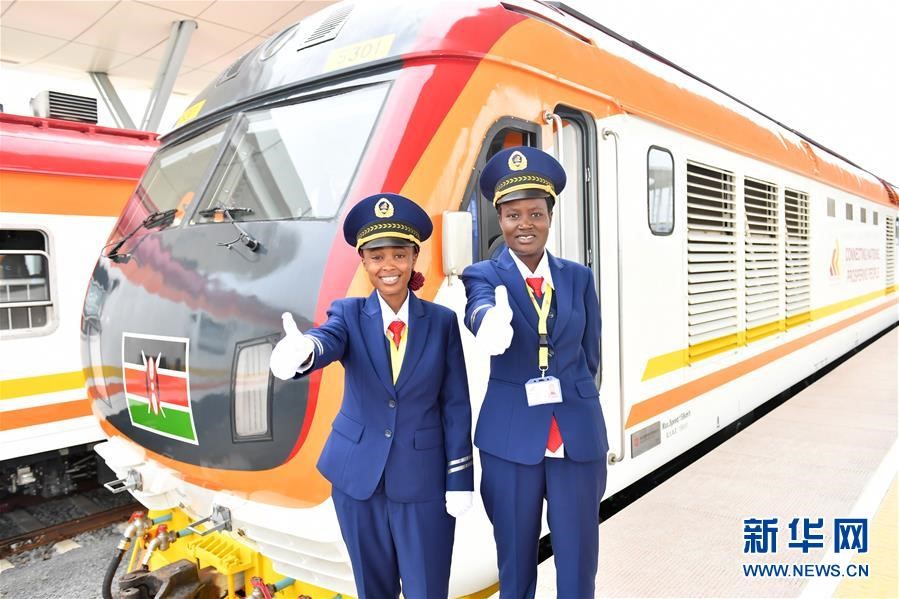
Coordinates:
733 257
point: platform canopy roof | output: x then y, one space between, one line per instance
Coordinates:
128 39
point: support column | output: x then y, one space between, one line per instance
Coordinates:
168 71
112 100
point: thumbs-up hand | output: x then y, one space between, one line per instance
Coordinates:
502 303
495 333
290 325
292 351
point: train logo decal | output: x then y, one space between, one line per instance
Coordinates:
835 268
157 385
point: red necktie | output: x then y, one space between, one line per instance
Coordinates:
396 330
536 283
555 436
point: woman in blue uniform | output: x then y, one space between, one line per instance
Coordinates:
399 454
540 431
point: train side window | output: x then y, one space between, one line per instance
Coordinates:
874 218
863 214
252 391
848 211
25 301
570 218
831 207
487 237
660 190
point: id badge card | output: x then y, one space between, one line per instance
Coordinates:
543 390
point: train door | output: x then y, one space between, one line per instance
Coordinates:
575 235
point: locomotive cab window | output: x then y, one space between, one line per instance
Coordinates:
271 170
25 302
488 238
171 180
660 190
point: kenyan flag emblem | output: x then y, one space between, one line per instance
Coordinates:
155 371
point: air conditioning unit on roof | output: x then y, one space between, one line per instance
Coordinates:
69 107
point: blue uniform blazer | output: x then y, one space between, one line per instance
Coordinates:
417 433
507 427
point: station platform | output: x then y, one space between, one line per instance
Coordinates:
830 452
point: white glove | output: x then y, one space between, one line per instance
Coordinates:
292 351
495 333
458 502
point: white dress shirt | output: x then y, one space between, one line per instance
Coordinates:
542 270
388 315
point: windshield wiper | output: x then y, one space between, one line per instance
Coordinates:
242 237
229 211
156 219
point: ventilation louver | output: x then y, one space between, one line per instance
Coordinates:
890 222
798 270
234 69
712 303
764 280
328 28
68 107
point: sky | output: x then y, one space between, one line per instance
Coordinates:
827 68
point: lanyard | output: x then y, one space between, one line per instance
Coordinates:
542 335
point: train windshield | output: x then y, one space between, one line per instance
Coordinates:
171 179
293 161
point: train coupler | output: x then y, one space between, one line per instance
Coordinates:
177 580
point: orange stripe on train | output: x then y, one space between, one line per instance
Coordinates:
663 402
56 412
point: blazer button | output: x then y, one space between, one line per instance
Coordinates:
551 314
391 404
388 433
551 353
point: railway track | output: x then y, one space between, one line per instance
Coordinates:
35 522
57 532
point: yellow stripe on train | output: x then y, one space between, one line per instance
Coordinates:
665 363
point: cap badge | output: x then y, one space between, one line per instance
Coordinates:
517 161
383 208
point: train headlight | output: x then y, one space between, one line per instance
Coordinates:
252 391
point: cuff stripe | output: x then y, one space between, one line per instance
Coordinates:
318 344
458 468
475 313
459 461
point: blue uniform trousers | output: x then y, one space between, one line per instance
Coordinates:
389 540
513 498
